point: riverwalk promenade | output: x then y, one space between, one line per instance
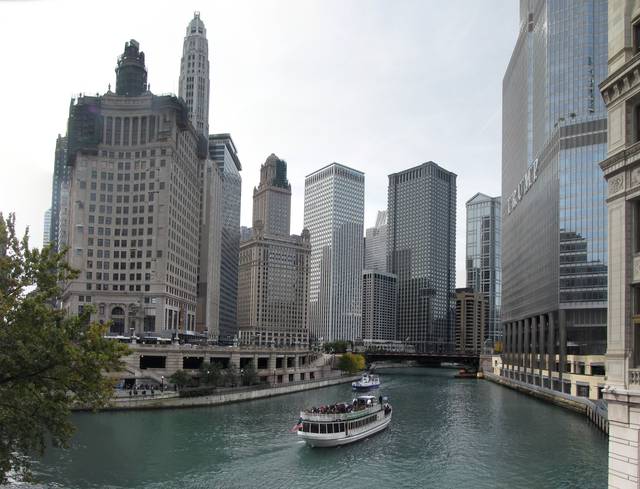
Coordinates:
172 400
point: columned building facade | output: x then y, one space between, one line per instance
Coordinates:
334 216
621 94
554 225
421 251
133 207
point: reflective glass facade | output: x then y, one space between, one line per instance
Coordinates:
554 135
484 257
223 152
421 243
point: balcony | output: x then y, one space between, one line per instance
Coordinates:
634 376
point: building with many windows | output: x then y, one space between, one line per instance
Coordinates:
134 194
379 290
471 320
273 276
46 230
483 264
194 74
554 224
334 216
375 244
621 94
421 253
272 197
222 151
60 184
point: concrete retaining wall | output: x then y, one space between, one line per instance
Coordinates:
224 397
591 410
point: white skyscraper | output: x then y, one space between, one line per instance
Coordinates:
194 74
194 90
334 216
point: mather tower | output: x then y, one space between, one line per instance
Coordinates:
194 74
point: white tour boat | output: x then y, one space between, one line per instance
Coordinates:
339 424
367 381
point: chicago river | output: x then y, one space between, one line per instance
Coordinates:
446 433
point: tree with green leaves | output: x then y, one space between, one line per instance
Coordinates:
210 373
180 378
230 377
249 374
50 361
351 363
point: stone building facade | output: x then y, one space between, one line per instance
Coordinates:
621 94
134 195
471 320
273 270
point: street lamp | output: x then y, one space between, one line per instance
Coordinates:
162 385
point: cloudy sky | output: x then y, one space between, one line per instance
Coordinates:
376 85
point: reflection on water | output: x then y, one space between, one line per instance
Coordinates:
446 433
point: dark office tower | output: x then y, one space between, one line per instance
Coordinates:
131 74
483 258
222 151
60 178
554 223
421 251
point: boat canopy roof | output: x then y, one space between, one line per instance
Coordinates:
366 398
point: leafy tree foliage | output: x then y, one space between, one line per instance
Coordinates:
231 376
351 363
49 360
210 373
249 375
339 346
180 378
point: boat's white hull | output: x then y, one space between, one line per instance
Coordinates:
326 441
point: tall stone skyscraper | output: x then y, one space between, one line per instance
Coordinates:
554 221
273 274
194 74
194 91
272 197
59 184
375 246
421 253
334 216
483 258
134 206
222 151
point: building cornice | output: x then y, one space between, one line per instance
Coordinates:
619 83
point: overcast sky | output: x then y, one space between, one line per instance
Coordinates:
376 85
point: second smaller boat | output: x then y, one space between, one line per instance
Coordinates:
366 382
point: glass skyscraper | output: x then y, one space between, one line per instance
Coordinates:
421 249
554 248
483 260
222 151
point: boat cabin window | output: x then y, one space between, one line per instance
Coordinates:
314 427
323 428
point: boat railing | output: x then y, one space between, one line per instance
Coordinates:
307 416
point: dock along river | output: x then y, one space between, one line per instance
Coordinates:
446 433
